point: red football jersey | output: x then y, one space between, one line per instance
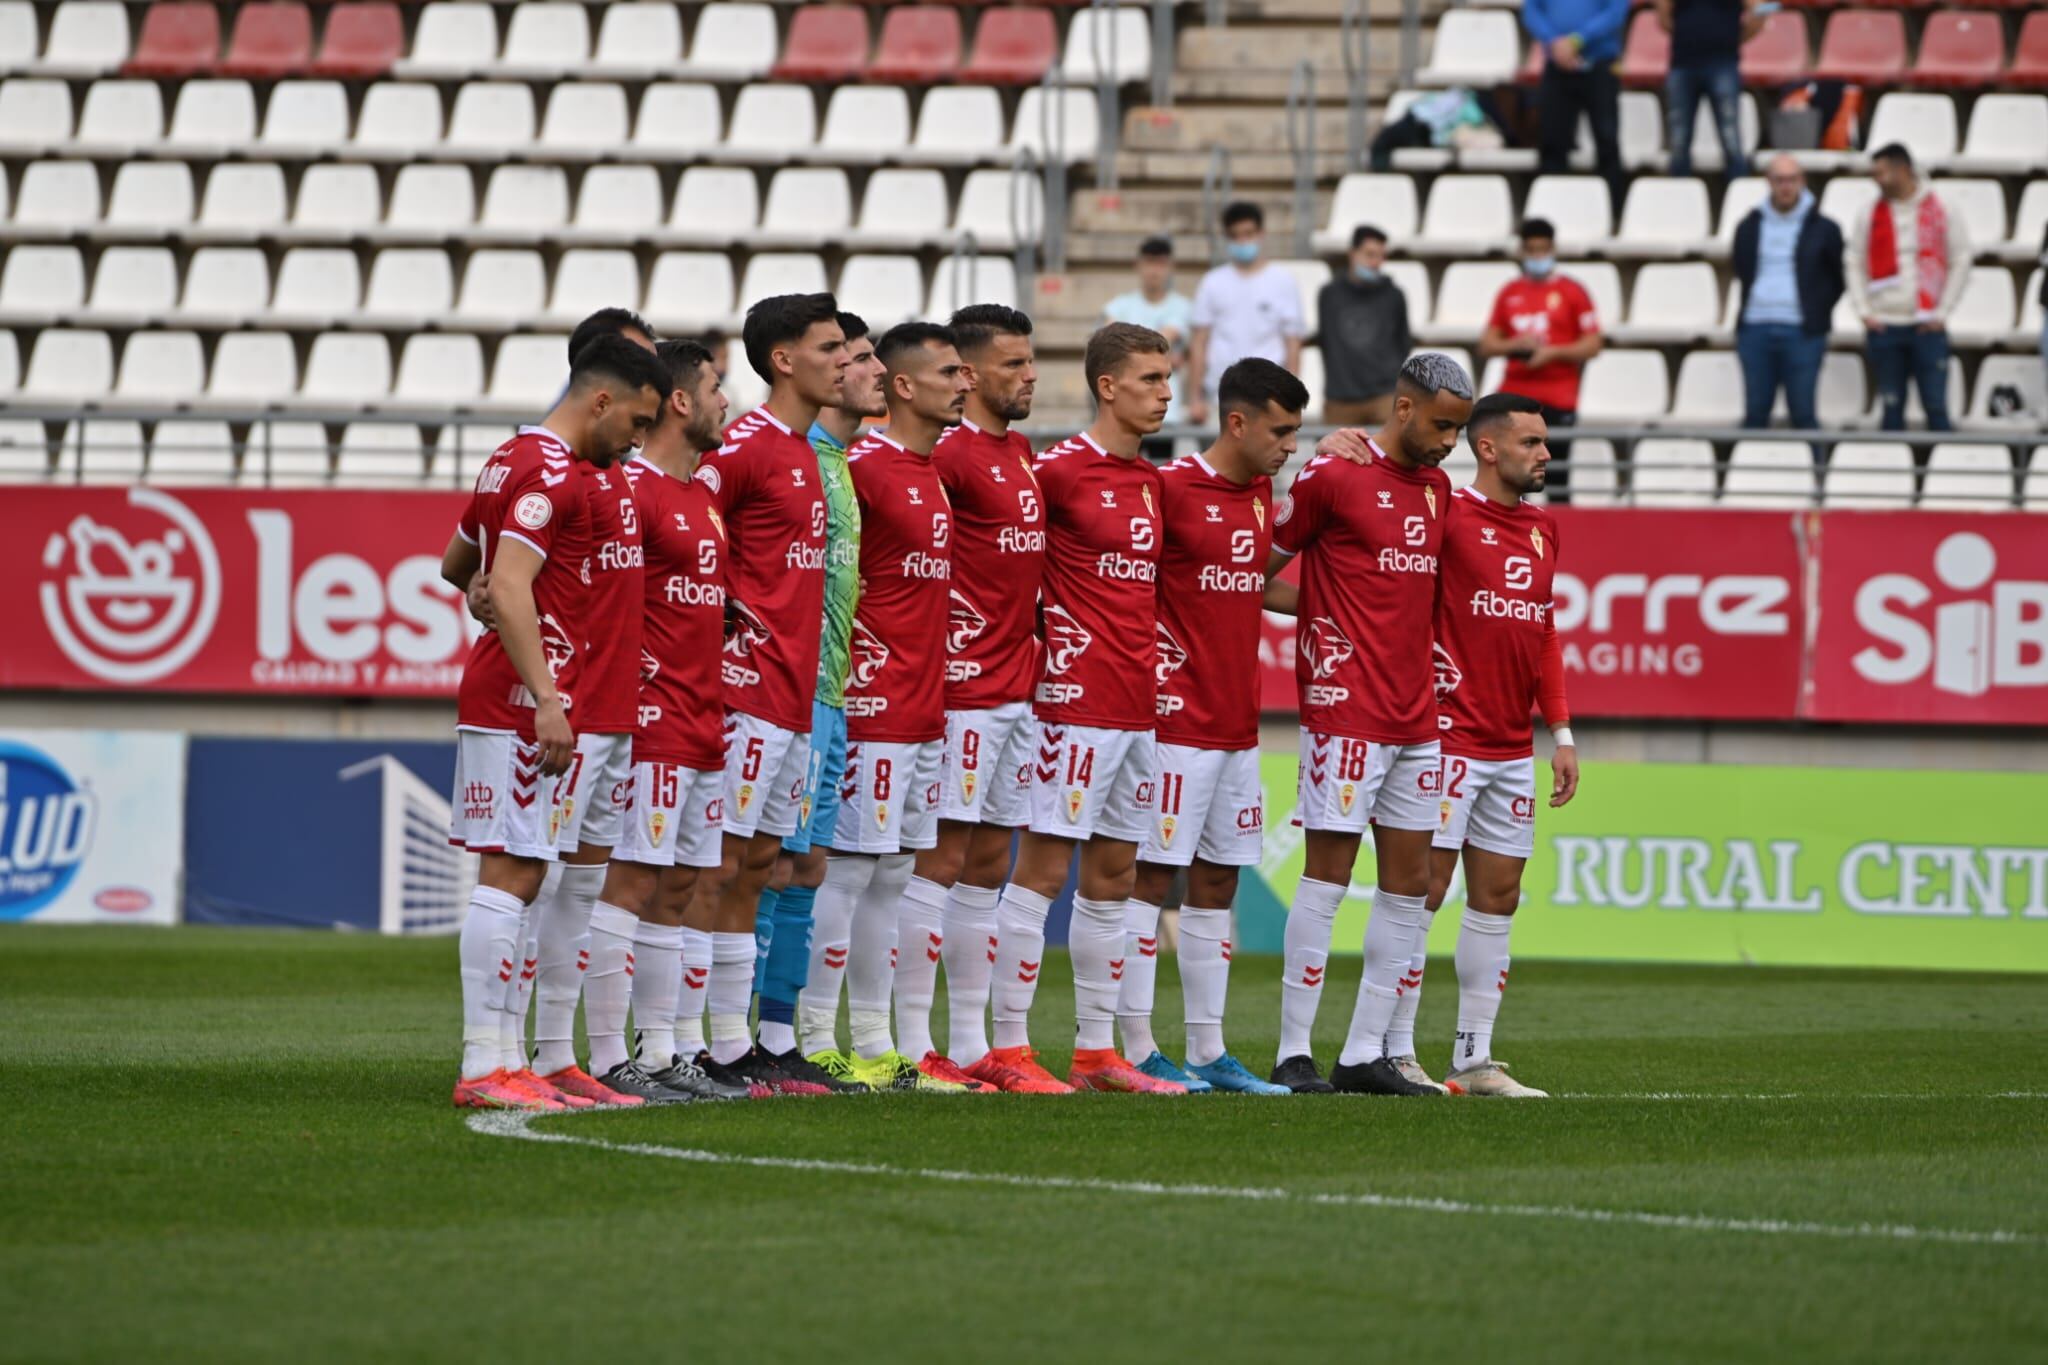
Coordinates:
610 686
1368 536
999 561
1212 582
1101 566
681 719
765 482
1554 312
1493 612
530 490
896 679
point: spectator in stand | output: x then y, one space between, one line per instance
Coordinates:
1364 325
1788 258
1546 326
1243 308
1581 43
1908 263
1155 303
1706 59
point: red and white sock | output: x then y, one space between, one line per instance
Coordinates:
1141 974
564 954
1482 981
695 984
608 985
519 990
970 957
488 955
1401 1028
1310 922
1204 979
920 939
1390 938
871 957
831 940
1095 941
1020 950
730 993
657 981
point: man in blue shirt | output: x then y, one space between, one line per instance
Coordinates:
1788 259
1581 43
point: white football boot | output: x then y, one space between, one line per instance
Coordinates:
1491 1078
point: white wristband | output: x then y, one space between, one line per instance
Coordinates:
1563 735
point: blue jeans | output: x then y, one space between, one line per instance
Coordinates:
1721 83
1774 354
1903 351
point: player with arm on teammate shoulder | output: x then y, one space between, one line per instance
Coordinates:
1208 811
1497 656
528 527
895 721
1092 776
1368 536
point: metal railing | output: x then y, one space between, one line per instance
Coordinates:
1162 53
966 259
1052 135
1107 91
1301 147
1025 236
1411 40
1355 37
1219 187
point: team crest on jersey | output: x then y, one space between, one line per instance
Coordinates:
1167 825
881 815
1259 512
561 816
1429 496
804 815
1554 299
1148 498
967 787
657 821
1443 814
717 522
1346 795
746 796
533 511
1074 800
1536 540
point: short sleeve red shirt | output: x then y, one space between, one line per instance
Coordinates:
895 681
998 561
1493 605
681 715
1212 586
611 608
1552 312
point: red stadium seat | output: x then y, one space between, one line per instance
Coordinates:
1778 54
1646 56
1960 49
1866 46
2030 53
826 43
272 39
362 40
920 45
1012 47
179 38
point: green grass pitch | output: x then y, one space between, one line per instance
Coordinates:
226 1145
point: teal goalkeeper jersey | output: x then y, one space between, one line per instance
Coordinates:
842 567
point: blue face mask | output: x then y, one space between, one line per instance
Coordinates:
1244 253
1539 266
1366 274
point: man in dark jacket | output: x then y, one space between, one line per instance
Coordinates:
1363 319
1789 260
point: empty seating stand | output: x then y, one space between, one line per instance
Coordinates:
272 39
920 45
361 40
1866 46
826 43
179 38
1960 50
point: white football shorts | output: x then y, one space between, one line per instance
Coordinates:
889 798
502 803
1206 803
987 775
675 816
1348 784
1087 782
767 769
590 798
1489 803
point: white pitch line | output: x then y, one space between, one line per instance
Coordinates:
519 1126
1698 1095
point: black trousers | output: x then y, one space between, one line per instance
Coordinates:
1557 483
1561 97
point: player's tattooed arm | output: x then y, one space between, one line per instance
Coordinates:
1282 596
1347 443
511 593
1564 774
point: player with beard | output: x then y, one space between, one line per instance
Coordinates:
782 923
1092 775
1368 536
529 528
1497 656
896 725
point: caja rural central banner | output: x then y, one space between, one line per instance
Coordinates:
1725 863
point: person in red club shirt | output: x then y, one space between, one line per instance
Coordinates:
1546 326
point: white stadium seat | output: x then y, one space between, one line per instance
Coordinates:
24 451
1845 197
2007 375
58 194
287 455
1925 123
1413 279
1576 205
1744 193
86 37
1674 301
432 198
638 39
40 285
501 287
1596 479
161 367
379 455
109 450
491 119
253 367
995 205
10 363
1623 386
1465 295
151 197
398 118
963 124
34 114
1709 389
959 281
769 122
782 272
338 199
883 290
807 206
452 40
1040 123
1868 474
2028 222
2007 133
1987 309
411 285
348 367
865 124
733 42
1982 206
317 286
121 114
226 285
1968 478
1387 202
243 199
584 119
1475 47
133 282
716 204
1665 214
546 39
189 451
618 200
527 372
1602 282
1113 43
1465 212
901 208
678 119
1844 391
305 115
523 201
67 363
1765 473
691 290
587 280
213 116
1672 473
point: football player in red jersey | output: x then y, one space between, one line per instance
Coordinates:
895 727
1208 810
1369 537
1092 778
1496 655
991 661
528 527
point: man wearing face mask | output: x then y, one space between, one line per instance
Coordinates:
1365 337
1243 308
1546 326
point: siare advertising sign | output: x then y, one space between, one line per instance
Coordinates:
217 590
91 826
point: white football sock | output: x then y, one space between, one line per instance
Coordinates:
608 985
1390 937
1482 979
1204 979
1095 941
1401 1028
871 956
488 955
519 990
970 955
1141 973
657 981
1310 922
831 935
564 954
731 991
1020 951
920 938
775 1037
696 981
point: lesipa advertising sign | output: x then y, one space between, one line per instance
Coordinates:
91 826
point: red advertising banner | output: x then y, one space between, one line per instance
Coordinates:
216 590
1931 616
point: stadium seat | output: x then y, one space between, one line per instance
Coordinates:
287 455
272 39
178 38
161 366
1596 481
678 119
1110 43
584 120
587 280
2031 320
1464 299
957 126
89 37
2006 134
769 122
865 125
253 367
1013 45
491 119
225 286
1674 301
997 207
1926 124
1868 474
1866 46
1464 213
2029 224
1959 50
1385 201
1623 386
1315 378
1041 124
10 363
110 450
920 45
617 201
69 364
1968 478
21 37
1665 214
2002 378
24 451
432 199
1778 54
1987 310
546 39
883 290
309 116
41 285
1309 279
133 284
959 281
1475 47
1413 279
689 291
1671 473
150 198
715 204
363 39
782 272
733 42
826 44
806 207
316 286
637 40
380 455
462 449
453 39
58 194
1981 205
2029 52
1769 474
525 370
1645 53
1709 389
1576 204
398 119
348 367
1844 198
502 287
214 117
1744 193
243 199
120 116
337 199
191 451
523 201
409 285
901 209
35 115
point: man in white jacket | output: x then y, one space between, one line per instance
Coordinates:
1908 262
